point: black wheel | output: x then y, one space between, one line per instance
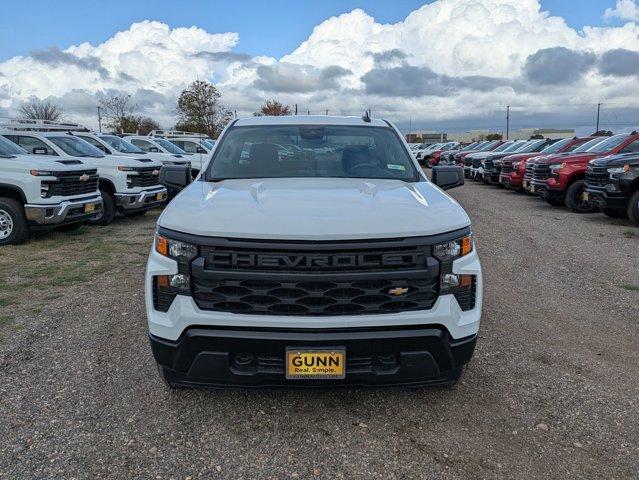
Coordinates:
608 212
555 202
165 380
106 216
14 228
575 198
633 208
137 213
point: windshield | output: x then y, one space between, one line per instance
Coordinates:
209 143
169 147
76 147
488 145
324 151
505 147
8 148
120 145
532 146
608 144
588 145
469 147
555 147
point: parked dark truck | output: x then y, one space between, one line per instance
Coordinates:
513 168
492 164
612 185
561 179
448 158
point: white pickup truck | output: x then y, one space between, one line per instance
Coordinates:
43 191
337 263
128 185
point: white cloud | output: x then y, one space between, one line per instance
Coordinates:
624 10
447 59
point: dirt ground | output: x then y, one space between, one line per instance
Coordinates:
552 392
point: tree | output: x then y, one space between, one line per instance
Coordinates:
273 108
602 133
139 124
200 110
493 136
41 109
116 110
537 136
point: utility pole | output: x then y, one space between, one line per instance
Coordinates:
296 109
507 121
327 111
598 112
235 113
99 119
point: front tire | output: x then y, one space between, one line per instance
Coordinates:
106 216
574 198
14 228
633 208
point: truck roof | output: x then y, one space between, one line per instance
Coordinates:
310 120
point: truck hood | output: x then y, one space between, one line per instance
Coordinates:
568 158
313 209
617 160
45 162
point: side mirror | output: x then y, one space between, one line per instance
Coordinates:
200 150
448 177
39 151
175 177
154 149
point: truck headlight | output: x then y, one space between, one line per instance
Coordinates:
167 287
616 170
463 287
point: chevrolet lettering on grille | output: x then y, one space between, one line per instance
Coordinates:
283 261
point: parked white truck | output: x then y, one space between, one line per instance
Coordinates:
127 185
198 146
337 264
43 191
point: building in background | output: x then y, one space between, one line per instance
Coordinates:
426 137
554 133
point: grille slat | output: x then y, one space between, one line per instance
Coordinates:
146 177
597 176
540 171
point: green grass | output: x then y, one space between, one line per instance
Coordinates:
5 319
4 302
629 234
632 288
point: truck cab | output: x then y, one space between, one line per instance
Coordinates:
561 179
198 146
154 145
127 185
43 191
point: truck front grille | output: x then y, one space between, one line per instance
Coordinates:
77 182
316 280
146 177
597 176
541 171
476 162
529 171
507 167
468 162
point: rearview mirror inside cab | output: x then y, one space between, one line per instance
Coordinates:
447 177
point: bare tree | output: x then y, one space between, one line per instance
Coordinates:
116 110
273 108
41 109
200 109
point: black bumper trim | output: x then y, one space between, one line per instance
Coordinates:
416 356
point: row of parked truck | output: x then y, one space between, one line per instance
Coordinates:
585 174
64 175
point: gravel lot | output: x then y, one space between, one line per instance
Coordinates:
553 390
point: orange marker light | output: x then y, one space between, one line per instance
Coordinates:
466 245
162 245
465 280
163 281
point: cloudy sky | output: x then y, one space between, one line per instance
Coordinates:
452 64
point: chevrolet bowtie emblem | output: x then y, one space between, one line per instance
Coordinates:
84 178
397 291
156 172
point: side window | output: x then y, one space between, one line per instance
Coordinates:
143 144
96 144
35 145
632 148
188 147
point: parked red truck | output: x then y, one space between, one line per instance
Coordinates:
513 168
560 179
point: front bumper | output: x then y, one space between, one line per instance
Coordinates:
68 211
541 189
510 181
141 201
603 198
212 357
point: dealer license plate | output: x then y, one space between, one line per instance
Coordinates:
585 196
316 364
532 189
525 184
89 207
161 196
